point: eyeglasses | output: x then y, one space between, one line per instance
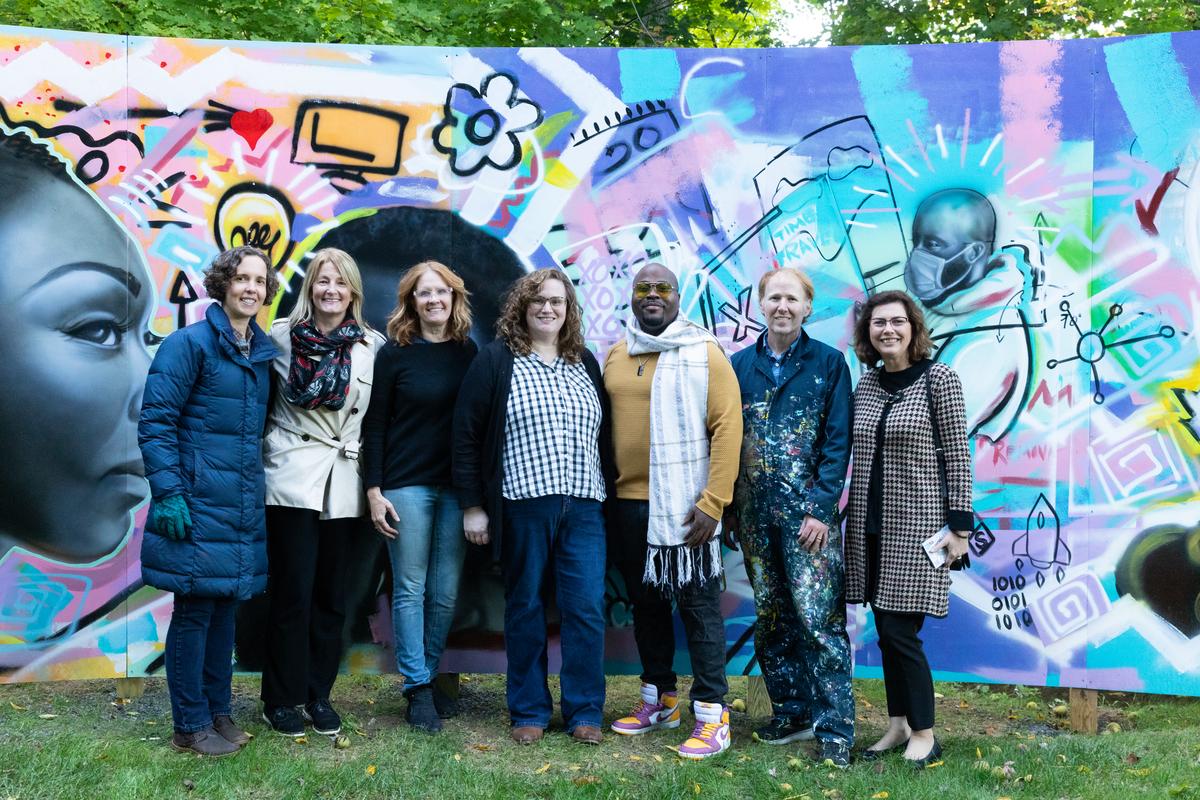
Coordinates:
879 323
429 294
642 290
553 302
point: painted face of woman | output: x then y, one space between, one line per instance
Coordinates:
73 316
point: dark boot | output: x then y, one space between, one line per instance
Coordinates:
446 705
421 713
205 743
224 726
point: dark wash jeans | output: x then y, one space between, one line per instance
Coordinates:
566 535
653 625
199 660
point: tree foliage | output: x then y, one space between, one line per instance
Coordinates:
479 23
853 22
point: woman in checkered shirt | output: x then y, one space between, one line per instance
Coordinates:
899 499
532 467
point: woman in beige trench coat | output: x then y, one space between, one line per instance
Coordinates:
322 387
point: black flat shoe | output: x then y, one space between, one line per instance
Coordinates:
934 755
875 755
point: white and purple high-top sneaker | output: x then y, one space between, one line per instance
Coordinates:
711 735
652 712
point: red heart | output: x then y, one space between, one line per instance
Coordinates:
251 125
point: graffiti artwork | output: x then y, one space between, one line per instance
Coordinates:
1040 199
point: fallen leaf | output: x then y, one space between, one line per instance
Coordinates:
795 763
458 756
938 696
1061 758
635 758
131 713
727 774
1140 772
1084 769
47 716
16 707
483 748
867 704
1113 727
1031 705
695 788
787 787
188 784
543 769
370 702
935 765
657 758
371 769
880 796
584 780
738 705
1132 759
341 743
771 772
963 704
1061 710
574 767
978 753
300 740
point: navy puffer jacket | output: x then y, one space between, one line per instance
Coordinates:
200 433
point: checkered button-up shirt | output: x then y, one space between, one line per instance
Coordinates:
552 431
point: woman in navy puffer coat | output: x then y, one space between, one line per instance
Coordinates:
200 434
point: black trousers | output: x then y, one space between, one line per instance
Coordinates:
653 622
306 595
906 676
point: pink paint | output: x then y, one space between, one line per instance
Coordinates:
1030 92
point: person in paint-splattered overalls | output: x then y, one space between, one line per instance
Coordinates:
796 445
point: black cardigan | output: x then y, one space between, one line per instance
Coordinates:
479 422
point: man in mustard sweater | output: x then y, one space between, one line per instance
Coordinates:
677 433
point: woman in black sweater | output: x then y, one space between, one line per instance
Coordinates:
406 469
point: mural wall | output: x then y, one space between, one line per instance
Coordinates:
1042 199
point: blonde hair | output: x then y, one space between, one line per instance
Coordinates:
805 281
403 324
344 264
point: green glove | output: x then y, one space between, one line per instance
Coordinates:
172 518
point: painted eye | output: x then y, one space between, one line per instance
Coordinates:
104 333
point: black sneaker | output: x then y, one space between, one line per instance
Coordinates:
285 720
834 754
323 718
446 705
784 730
421 713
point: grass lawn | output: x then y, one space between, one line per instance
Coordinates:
75 740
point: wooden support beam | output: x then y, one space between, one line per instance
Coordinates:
130 688
1085 710
758 702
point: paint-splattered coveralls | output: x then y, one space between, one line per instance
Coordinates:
796 446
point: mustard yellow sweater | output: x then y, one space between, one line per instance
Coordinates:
630 396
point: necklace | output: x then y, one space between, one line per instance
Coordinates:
641 364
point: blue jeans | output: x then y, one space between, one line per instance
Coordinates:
199 660
564 535
427 559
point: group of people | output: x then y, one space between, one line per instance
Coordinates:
262 448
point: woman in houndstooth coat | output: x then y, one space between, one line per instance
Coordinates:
896 503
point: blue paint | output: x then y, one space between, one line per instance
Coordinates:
706 93
885 81
648 75
1155 96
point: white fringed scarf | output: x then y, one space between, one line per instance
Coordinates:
679 453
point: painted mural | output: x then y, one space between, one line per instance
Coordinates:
1041 199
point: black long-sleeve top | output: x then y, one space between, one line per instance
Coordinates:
408 428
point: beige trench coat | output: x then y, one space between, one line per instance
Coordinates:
311 457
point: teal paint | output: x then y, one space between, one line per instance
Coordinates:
648 75
1155 96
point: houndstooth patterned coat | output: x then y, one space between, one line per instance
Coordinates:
912 506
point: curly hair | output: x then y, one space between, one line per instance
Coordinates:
919 347
511 326
220 274
404 323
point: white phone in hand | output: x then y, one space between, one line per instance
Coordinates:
937 555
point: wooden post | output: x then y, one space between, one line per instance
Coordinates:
130 688
758 702
1085 712
448 683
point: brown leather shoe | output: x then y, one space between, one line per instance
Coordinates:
204 743
587 734
230 732
526 734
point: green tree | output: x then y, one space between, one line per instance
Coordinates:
854 22
495 23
